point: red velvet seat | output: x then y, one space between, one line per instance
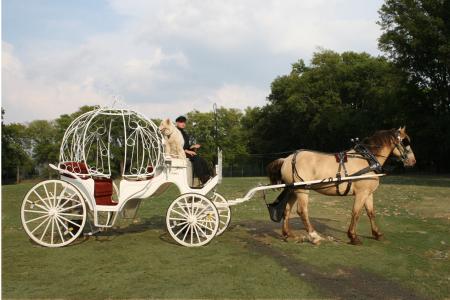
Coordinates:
103 191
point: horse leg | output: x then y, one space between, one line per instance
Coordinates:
371 214
286 232
302 210
360 199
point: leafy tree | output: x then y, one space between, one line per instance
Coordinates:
416 36
226 134
16 160
323 105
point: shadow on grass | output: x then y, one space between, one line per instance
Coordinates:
155 223
343 282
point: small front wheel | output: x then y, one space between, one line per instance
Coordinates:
192 220
224 212
53 213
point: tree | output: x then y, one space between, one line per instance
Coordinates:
16 158
323 105
228 135
416 36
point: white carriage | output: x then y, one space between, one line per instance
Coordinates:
85 199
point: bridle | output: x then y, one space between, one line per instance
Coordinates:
403 147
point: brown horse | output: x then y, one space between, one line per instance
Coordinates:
364 158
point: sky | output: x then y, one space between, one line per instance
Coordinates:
165 58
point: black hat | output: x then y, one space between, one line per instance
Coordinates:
180 119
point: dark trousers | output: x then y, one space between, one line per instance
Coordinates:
201 168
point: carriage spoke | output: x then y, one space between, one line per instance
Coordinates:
196 233
178 224
67 220
65 227
175 211
181 229
204 226
59 230
41 207
38 218
70 207
192 233
61 196
201 230
182 208
70 215
42 200
189 212
36 211
200 213
36 228
185 234
53 228
48 196
70 199
45 230
54 196
177 219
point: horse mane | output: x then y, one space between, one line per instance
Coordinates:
380 139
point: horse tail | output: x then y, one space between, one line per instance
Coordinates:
274 171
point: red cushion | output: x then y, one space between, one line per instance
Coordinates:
104 200
103 187
103 191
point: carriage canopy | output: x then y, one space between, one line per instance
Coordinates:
107 141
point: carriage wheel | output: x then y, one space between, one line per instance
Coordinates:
53 213
192 220
224 212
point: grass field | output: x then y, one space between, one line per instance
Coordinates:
140 260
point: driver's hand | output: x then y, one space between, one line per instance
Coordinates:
190 152
196 146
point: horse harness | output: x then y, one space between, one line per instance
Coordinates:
342 159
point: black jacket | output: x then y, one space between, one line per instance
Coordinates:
186 138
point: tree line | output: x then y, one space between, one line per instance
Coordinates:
318 105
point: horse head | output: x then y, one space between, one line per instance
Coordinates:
403 148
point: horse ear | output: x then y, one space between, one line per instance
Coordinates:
167 121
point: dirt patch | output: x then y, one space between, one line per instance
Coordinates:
343 283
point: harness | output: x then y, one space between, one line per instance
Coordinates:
342 158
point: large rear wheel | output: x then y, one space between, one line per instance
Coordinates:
53 213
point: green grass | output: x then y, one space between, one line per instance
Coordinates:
140 260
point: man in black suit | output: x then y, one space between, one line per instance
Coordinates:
199 165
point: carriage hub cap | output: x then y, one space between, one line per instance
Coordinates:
53 211
192 220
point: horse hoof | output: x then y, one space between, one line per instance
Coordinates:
316 242
356 242
379 236
315 238
287 237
